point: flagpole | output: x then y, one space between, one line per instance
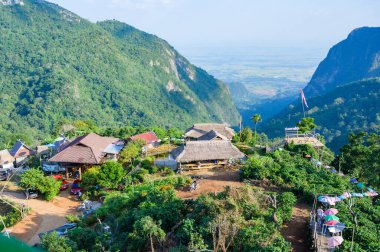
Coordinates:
303 108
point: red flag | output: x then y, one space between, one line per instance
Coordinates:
304 99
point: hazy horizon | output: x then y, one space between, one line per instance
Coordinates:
195 24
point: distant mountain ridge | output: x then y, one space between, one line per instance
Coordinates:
353 59
55 65
343 95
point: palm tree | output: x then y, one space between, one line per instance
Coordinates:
256 119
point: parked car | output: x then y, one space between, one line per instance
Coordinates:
31 193
62 230
4 175
75 188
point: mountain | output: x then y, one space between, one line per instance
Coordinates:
353 59
54 65
348 108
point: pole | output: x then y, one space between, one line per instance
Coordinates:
240 130
303 108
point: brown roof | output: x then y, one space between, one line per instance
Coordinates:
212 135
201 129
5 157
88 149
206 150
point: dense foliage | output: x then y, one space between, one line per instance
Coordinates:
10 213
361 158
56 65
35 179
150 216
349 108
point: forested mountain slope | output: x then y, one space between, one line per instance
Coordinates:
353 59
56 65
348 108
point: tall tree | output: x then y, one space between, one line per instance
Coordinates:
146 228
256 119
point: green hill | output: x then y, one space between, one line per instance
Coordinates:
353 59
349 108
55 65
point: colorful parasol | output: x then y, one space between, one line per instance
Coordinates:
347 195
339 227
331 217
331 211
360 185
331 223
353 180
335 241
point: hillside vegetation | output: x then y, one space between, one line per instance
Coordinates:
55 65
350 108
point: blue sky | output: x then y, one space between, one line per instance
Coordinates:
234 23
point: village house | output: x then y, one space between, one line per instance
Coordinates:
20 152
209 131
206 154
86 151
6 160
150 138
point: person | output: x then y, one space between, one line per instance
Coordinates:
79 195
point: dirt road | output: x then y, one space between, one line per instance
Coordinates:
44 216
296 231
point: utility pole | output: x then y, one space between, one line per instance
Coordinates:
240 130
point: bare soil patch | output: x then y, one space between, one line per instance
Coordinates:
296 230
213 181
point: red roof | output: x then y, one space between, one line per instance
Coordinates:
148 137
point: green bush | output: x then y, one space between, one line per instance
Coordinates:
35 179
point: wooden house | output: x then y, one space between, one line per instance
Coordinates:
86 151
209 131
206 154
6 160
20 152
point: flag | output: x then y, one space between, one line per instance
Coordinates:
304 99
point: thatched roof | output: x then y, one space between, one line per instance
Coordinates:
201 129
212 135
88 149
5 157
194 151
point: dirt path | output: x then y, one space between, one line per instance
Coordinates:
44 216
296 230
214 180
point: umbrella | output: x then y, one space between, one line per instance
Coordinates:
319 163
360 185
327 167
342 197
331 211
357 194
331 217
337 199
331 201
333 170
331 223
370 189
335 241
337 228
323 199
347 195
353 180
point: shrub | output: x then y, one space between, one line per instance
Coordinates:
72 218
34 178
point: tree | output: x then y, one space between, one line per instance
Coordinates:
256 119
130 152
147 229
306 124
110 174
246 135
52 242
91 176
35 179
